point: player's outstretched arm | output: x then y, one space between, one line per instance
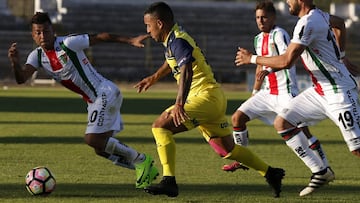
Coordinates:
147 82
107 37
279 62
138 41
22 74
339 29
338 26
178 112
352 68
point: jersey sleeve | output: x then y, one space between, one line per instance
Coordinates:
281 41
304 32
182 51
33 59
77 42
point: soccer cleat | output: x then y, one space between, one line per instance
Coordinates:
152 176
145 172
273 178
317 180
234 166
167 186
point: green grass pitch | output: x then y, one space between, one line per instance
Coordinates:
45 126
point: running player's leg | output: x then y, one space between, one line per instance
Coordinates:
217 132
105 121
346 114
304 108
225 147
261 106
163 130
315 145
240 136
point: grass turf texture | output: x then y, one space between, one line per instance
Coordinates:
45 126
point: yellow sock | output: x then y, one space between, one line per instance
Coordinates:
166 149
247 157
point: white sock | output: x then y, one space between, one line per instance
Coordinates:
315 145
140 158
241 137
298 143
114 147
121 161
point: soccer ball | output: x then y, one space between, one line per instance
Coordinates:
40 181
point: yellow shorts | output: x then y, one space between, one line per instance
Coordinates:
207 110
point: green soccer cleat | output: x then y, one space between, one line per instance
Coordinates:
145 172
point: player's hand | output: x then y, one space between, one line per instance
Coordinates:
179 115
144 84
352 68
137 41
242 57
13 53
356 152
260 76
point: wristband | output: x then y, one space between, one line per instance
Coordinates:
268 69
254 91
342 54
253 59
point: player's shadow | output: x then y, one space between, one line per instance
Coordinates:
76 139
128 191
77 105
253 190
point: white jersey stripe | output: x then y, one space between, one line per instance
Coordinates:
272 44
76 72
75 60
323 70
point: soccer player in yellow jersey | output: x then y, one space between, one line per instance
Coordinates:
200 102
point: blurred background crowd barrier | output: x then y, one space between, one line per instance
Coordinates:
219 27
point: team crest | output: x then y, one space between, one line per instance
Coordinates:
63 58
85 61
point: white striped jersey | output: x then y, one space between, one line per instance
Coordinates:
272 44
321 56
68 65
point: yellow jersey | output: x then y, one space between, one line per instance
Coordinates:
180 49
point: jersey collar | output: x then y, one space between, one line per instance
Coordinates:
174 28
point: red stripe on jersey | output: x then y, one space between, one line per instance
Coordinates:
273 84
272 76
317 86
265 44
71 86
54 61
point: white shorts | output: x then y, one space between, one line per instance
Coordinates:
265 106
104 114
342 108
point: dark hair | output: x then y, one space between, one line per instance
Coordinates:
267 6
40 18
162 11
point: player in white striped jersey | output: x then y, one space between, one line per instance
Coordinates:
63 58
334 93
278 87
